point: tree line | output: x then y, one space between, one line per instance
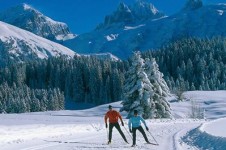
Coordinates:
21 99
193 64
187 64
82 79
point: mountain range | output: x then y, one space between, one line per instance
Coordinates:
123 32
129 28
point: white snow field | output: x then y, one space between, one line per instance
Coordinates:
85 129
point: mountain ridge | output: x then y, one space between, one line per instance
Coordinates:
18 45
131 14
26 17
204 21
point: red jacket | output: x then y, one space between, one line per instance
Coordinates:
113 116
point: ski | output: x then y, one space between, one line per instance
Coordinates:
71 142
152 144
145 143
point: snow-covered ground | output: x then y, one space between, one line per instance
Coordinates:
85 129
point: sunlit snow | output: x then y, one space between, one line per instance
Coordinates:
42 47
85 129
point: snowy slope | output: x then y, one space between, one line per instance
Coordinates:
85 129
30 19
213 102
104 56
206 21
22 45
215 128
210 135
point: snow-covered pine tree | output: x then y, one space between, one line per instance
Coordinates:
158 104
137 89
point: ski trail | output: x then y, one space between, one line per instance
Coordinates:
167 133
41 146
178 144
38 147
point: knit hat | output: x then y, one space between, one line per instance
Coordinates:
135 112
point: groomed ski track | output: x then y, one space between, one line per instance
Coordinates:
166 132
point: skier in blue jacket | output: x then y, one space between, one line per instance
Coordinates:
135 124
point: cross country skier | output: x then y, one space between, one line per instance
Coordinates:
113 116
135 123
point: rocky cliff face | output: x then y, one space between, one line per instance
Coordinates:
127 15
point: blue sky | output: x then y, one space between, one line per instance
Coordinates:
83 15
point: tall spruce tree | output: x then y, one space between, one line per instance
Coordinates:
140 94
159 104
137 89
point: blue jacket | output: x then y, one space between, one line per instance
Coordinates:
135 122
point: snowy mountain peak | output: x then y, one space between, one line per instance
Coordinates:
29 8
121 15
19 45
143 10
123 7
26 6
141 4
26 17
135 14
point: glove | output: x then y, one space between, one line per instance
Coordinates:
106 125
147 128
130 130
122 124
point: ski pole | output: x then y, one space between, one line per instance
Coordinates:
153 138
128 132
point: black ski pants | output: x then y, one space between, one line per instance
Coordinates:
142 132
116 125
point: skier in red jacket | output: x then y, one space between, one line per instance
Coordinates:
113 116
